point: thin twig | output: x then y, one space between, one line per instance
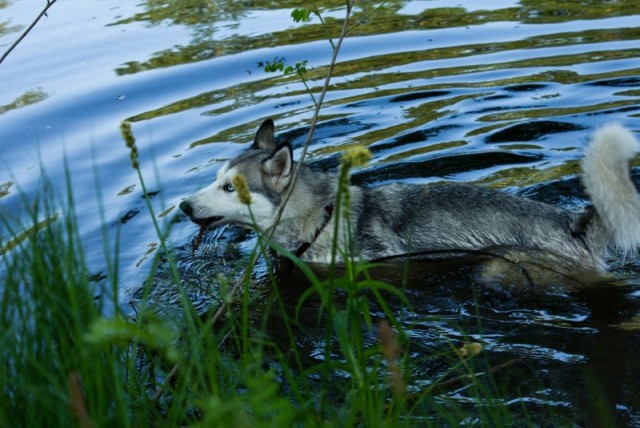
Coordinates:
258 253
369 15
316 113
33 24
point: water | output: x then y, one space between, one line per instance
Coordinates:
502 95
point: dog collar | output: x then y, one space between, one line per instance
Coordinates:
328 214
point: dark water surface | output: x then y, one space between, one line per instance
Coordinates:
501 94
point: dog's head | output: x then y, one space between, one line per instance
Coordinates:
268 169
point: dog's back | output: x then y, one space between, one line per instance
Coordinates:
411 218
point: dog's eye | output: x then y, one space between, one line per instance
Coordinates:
228 188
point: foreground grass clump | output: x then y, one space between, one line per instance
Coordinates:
64 364
70 357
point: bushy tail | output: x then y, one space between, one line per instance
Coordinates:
606 178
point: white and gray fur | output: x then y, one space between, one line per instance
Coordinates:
396 219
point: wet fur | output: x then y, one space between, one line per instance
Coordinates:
399 218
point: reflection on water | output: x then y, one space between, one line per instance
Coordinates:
501 94
26 99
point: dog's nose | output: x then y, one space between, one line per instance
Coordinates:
186 208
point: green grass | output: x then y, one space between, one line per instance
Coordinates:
70 359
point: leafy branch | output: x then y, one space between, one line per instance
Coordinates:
300 68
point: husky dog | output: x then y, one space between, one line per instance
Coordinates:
396 219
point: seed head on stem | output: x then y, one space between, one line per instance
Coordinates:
242 188
130 141
356 156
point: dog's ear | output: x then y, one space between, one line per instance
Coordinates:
265 138
278 168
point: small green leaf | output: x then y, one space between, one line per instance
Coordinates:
301 15
301 67
272 66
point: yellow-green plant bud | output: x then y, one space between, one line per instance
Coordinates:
470 349
242 188
352 157
356 156
127 134
130 141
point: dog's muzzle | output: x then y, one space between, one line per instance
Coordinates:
202 222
